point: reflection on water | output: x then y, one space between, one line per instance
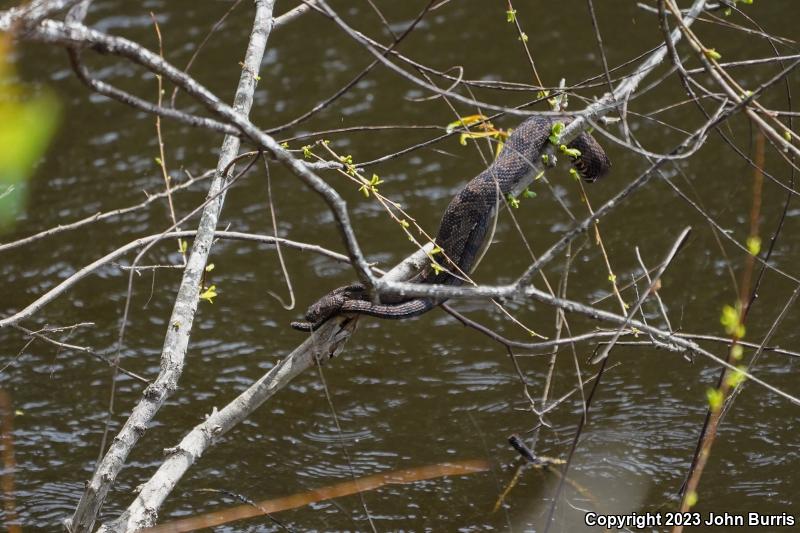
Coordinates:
357 485
422 391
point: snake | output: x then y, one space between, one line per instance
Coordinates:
467 225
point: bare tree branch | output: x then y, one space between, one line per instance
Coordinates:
323 344
180 323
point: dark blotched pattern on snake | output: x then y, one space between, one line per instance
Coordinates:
466 224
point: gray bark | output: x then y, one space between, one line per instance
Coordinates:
180 323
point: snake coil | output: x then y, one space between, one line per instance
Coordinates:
466 224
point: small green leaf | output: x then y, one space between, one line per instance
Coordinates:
285 146
513 202
182 246
500 145
572 152
736 377
511 15
370 186
465 122
754 244
691 499
209 294
731 322
523 37
715 398
527 193
307 153
209 267
737 352
712 53
374 182
729 318
555 132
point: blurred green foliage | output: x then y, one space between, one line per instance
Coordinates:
26 126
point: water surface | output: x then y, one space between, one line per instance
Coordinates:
408 393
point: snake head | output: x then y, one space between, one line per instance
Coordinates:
328 306
303 326
318 313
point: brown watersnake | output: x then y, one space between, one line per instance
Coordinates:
466 227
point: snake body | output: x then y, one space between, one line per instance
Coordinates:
465 230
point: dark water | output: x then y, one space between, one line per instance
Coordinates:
406 393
